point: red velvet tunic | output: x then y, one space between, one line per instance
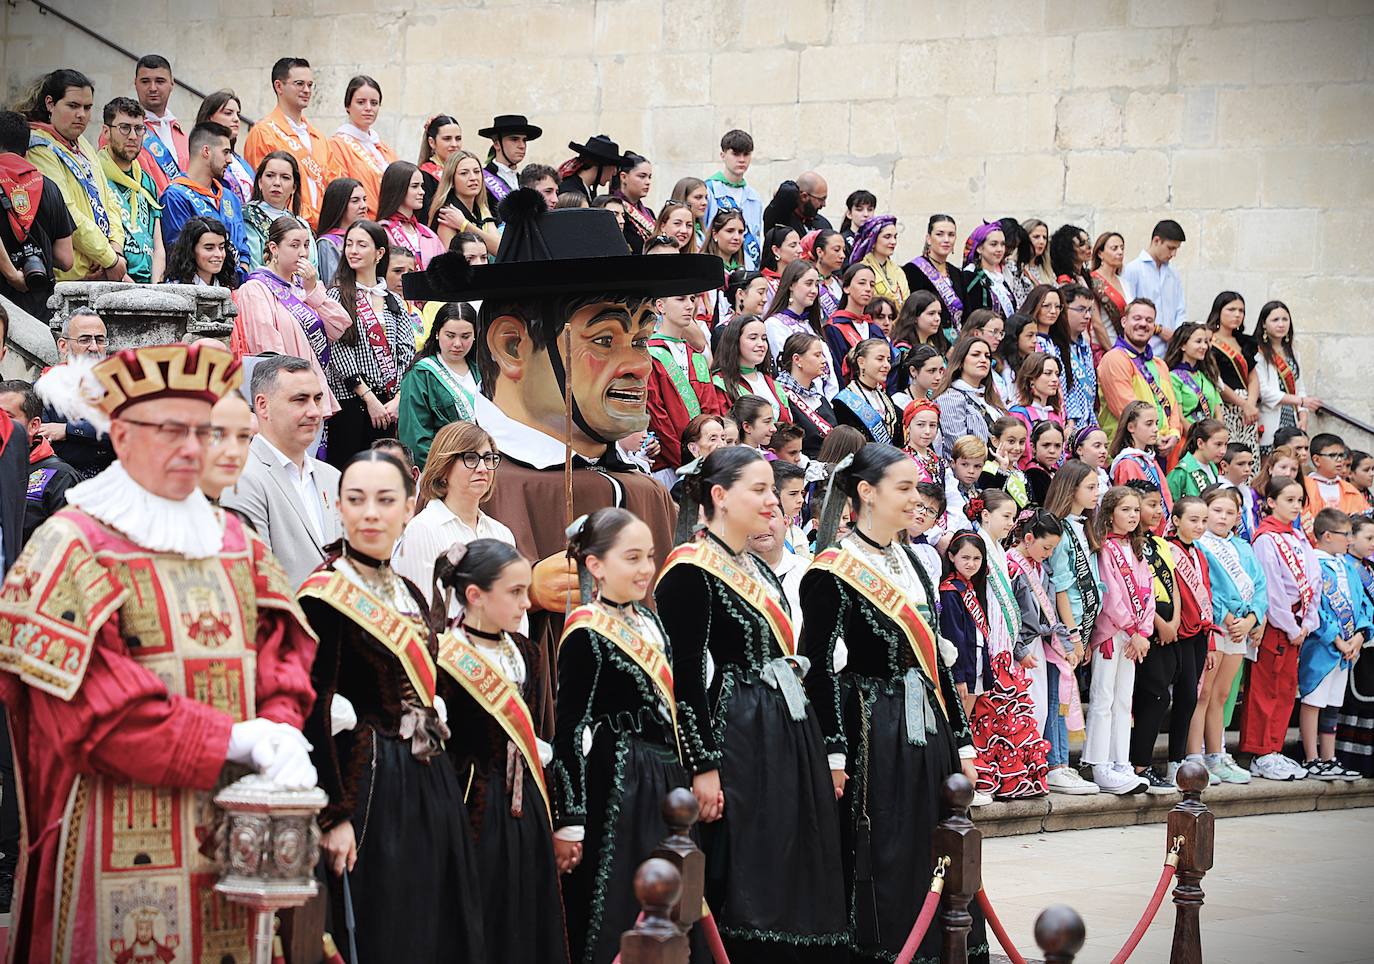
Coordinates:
123 673
668 412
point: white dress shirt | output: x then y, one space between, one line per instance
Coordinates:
432 532
1162 285
162 127
303 480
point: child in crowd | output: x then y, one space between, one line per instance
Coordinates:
756 421
1044 649
786 444
1090 446
1293 578
1002 469
922 427
1073 564
1047 450
789 481
1241 597
729 426
1347 620
993 513
1326 489
1361 473
1120 640
964 614
1038 395
1287 461
1235 470
1159 557
1133 450
930 510
1203 451
969 454
924 366
1355 724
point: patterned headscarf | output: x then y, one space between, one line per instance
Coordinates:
979 235
808 245
863 241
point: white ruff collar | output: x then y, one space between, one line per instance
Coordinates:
188 528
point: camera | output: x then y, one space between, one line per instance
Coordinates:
31 265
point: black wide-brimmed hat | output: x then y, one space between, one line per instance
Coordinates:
506 125
562 252
599 148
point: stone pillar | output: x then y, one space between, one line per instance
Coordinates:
137 315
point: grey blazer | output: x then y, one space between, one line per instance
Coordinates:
268 497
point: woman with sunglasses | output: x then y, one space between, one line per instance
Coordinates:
458 478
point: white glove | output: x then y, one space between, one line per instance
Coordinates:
276 750
949 653
342 716
545 751
441 708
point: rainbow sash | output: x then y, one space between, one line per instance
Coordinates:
704 555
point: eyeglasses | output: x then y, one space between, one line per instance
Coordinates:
99 341
303 84
175 433
922 510
1338 454
471 459
1083 310
127 129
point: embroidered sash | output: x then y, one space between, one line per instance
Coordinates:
1336 591
652 660
803 406
859 405
1144 366
1189 379
1083 579
368 154
1286 373
239 178
942 288
1234 356
704 555
81 169
1001 590
678 375
401 637
1136 595
499 697
497 188
162 156
462 400
23 185
1228 556
1191 575
376 337
873 586
1070 703
643 224
396 230
314 174
298 309
1293 561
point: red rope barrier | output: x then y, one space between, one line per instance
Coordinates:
708 924
1150 910
998 929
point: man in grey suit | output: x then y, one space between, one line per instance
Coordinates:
290 498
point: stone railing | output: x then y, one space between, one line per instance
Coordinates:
137 315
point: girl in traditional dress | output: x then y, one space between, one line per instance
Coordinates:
223 107
1038 395
743 365
1120 640
1193 372
395 823
359 152
919 323
1232 352
1242 596
1283 398
1020 337
1090 446
616 743
1133 450
933 271
781 247
922 369
692 192
367 361
1047 449
202 255
756 422
827 249
793 310
283 309
921 425
400 209
987 286
491 670
800 369
758 755
874 246
864 402
1110 289
442 387
893 723
968 399
276 194
631 184
1355 725
345 201
1006 448
441 137
1203 450
1038 264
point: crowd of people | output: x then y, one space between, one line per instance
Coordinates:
958 513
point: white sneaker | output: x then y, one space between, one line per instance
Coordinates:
981 799
1111 780
1297 769
1275 766
1067 780
1127 770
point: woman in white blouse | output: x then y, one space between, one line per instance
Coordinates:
458 478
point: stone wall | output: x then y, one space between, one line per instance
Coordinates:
1249 121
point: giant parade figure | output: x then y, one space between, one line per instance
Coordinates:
563 353
151 650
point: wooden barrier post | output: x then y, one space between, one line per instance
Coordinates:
1059 933
680 812
1192 821
957 837
655 939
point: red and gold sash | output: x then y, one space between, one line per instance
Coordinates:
1286 373
704 555
854 572
499 697
648 657
400 636
1234 356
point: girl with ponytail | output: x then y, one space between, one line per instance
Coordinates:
892 719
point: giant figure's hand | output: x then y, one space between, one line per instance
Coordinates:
554 588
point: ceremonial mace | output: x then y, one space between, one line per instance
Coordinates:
269 844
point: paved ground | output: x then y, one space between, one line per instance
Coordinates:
1286 887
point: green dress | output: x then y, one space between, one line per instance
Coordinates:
431 397
1197 394
1190 477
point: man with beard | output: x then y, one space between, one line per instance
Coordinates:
798 204
202 192
563 352
134 188
1132 372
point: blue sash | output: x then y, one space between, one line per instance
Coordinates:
751 247
162 157
496 187
83 171
866 413
1338 599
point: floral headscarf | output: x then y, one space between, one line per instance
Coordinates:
863 241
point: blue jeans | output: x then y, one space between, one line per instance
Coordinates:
1056 729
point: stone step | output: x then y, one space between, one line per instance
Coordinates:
1057 811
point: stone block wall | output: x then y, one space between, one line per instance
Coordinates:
1249 121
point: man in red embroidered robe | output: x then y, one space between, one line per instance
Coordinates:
149 643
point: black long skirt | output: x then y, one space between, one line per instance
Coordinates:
350 432
627 779
903 783
415 885
522 908
773 868
1355 724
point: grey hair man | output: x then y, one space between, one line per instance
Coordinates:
76 441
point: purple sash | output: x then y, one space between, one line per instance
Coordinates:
305 317
496 187
943 288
